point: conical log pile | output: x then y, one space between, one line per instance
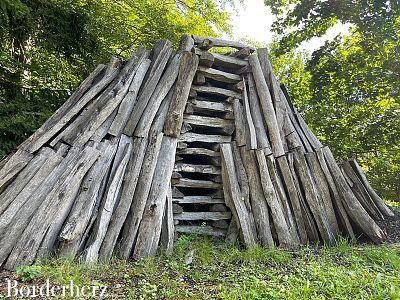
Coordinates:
101 177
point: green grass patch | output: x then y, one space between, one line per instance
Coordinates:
219 271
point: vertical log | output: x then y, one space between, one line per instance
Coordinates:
252 138
13 166
240 126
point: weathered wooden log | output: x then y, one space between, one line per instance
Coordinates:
13 166
163 87
336 197
196 183
53 205
224 61
233 194
353 207
218 75
85 204
258 203
191 168
187 70
226 127
161 53
83 95
216 91
378 201
282 229
186 43
126 107
194 216
262 138
207 138
251 131
102 131
242 53
206 59
240 125
267 107
199 79
216 42
109 202
293 196
197 200
150 226
198 151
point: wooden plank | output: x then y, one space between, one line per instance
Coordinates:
138 202
201 105
218 75
375 197
191 168
197 200
203 230
102 131
232 194
13 166
187 70
161 53
225 126
216 42
109 202
208 215
206 59
225 61
128 103
198 151
282 229
186 43
194 183
251 136
240 126
242 53
216 91
61 117
163 87
353 207
86 202
150 227
267 107
254 103
207 138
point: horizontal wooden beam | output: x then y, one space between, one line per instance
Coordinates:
216 91
198 200
218 75
216 42
198 151
191 168
194 183
203 230
207 138
207 215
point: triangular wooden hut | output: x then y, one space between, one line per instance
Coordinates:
178 142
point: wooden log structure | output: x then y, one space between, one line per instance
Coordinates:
169 143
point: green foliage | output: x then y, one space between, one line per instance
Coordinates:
48 46
28 273
351 96
219 271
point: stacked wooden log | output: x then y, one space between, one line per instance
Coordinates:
170 142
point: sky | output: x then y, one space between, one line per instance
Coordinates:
253 20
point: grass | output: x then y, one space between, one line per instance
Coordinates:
225 272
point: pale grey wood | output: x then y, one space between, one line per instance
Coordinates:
194 216
168 228
185 127
288 180
198 151
199 79
313 198
102 131
187 70
150 228
47 204
232 194
206 59
138 203
196 183
203 230
61 118
161 52
378 201
205 106
128 103
207 138
258 202
282 229
163 87
224 60
13 166
240 126
251 136
191 168
242 53
323 188
226 126
218 75
216 42
88 83
176 193
254 103
336 197
109 202
85 204
14 219
23 178
216 91
353 207
197 200
267 107
186 43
